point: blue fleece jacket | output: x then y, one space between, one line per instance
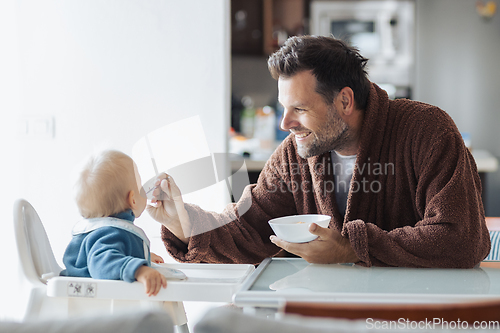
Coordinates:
106 253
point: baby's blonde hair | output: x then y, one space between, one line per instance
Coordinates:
104 183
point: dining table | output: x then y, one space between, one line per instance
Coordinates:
277 281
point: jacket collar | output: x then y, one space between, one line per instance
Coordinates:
125 215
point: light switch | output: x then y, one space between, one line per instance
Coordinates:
37 127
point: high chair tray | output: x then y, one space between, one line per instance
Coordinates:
204 283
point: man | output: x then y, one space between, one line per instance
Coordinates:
396 177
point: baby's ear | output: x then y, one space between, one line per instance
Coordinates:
131 200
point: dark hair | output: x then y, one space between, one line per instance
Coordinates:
333 62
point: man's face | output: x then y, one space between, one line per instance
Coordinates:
317 126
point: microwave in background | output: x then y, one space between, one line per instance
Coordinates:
383 31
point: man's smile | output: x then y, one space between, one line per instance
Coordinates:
302 136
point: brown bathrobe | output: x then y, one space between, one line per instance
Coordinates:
414 200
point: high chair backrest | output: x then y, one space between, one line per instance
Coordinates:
36 257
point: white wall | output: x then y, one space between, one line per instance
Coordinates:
10 174
107 72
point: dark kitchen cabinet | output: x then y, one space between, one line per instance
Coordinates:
258 27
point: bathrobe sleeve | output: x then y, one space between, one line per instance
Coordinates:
240 234
443 184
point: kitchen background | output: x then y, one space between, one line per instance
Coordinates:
454 65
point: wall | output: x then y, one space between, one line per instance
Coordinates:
9 175
457 69
107 73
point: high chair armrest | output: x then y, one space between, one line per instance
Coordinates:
204 283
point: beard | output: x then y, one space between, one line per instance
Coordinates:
333 135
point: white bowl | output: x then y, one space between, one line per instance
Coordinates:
295 228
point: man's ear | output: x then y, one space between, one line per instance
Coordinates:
131 200
345 101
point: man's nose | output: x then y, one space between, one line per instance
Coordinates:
288 121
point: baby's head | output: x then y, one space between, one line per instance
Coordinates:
109 184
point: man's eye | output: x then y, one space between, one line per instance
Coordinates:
300 110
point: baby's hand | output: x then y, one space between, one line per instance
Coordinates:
156 258
151 278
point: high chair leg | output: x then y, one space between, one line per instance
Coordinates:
182 328
178 315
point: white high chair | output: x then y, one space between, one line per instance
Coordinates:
83 296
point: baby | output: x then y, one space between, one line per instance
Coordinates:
106 244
